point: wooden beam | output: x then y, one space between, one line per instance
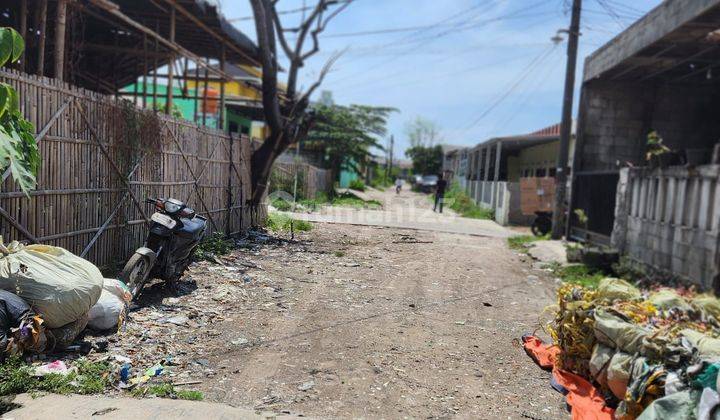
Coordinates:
207 29
114 10
41 42
221 118
18 226
205 98
122 50
60 26
145 72
197 90
171 66
155 79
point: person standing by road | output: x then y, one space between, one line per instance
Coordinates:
440 193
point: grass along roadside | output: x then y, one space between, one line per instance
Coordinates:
349 200
342 200
84 377
461 203
277 222
522 243
579 274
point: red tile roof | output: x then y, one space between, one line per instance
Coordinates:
552 131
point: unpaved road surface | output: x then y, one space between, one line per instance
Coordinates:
379 323
346 321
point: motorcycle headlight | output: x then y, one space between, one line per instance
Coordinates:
171 207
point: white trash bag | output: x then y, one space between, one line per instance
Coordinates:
109 311
58 284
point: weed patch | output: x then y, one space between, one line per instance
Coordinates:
357 185
281 223
214 245
349 200
577 274
522 243
462 204
89 378
167 390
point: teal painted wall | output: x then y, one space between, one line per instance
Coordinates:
187 106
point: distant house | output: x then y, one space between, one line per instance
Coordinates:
197 100
491 171
659 74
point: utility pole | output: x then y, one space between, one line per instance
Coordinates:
392 147
566 125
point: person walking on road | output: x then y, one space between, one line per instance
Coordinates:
440 193
398 185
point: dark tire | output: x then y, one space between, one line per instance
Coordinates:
135 273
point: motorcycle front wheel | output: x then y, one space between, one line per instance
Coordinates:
135 272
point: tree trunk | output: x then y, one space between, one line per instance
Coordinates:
261 167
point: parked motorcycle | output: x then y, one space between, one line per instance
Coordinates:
174 234
542 224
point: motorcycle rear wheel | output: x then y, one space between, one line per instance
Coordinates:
135 273
541 227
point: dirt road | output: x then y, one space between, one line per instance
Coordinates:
351 322
377 322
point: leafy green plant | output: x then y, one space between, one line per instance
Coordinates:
357 185
214 245
461 203
655 146
18 148
281 204
175 111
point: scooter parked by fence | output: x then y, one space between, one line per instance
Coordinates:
174 234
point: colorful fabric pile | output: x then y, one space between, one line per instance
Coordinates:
649 354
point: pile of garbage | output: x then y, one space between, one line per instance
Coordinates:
650 354
48 296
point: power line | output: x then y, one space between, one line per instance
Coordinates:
282 12
539 83
441 76
437 36
522 77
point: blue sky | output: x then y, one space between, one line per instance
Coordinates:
477 68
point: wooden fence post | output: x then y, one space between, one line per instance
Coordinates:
229 188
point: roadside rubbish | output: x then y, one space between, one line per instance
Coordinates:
57 284
20 329
110 310
57 367
64 336
644 354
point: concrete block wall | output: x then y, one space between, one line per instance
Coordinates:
616 118
657 225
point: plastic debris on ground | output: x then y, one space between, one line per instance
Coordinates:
157 339
57 367
648 354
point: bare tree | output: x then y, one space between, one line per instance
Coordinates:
286 112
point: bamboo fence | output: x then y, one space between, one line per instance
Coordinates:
101 157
